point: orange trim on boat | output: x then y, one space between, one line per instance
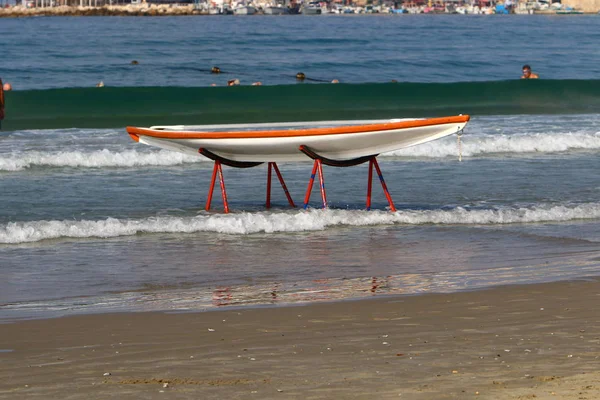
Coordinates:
134 132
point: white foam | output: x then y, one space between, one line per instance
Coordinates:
477 145
472 145
289 221
94 159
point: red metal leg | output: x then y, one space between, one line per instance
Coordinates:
268 205
310 184
322 181
370 184
223 192
285 189
318 165
212 187
383 185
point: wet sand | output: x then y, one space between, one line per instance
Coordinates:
521 342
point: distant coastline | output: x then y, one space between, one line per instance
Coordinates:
143 9
114 10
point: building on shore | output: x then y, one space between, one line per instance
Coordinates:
587 6
189 7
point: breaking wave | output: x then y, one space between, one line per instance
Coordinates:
480 145
116 107
95 159
245 223
472 146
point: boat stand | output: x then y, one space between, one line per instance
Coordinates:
218 170
319 161
273 166
318 166
373 163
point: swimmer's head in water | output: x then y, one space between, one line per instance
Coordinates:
300 76
215 70
335 81
134 62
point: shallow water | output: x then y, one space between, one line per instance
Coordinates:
108 224
93 222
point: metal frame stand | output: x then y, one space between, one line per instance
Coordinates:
373 163
218 170
273 165
318 166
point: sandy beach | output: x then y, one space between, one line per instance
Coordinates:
519 342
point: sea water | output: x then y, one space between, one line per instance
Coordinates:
91 221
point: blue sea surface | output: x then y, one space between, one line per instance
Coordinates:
92 221
57 52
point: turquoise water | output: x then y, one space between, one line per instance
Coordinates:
92 221
120 106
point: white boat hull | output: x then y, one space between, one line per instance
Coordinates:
312 10
337 140
245 10
274 10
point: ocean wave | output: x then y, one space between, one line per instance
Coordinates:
472 146
116 107
94 159
244 223
479 145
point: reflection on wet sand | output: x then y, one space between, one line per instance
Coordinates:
308 291
332 289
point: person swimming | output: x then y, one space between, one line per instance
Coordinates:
300 76
233 82
215 70
134 62
100 84
527 74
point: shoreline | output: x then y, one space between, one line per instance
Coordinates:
269 295
528 341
